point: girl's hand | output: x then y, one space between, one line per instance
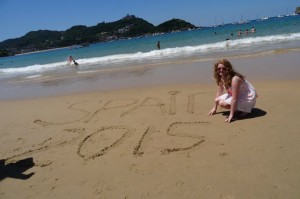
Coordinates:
212 112
229 119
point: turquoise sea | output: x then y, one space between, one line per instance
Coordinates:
20 71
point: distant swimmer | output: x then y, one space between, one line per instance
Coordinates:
246 32
158 45
253 29
70 59
240 33
227 41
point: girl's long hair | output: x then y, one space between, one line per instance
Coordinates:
230 73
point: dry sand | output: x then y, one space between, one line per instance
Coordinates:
151 142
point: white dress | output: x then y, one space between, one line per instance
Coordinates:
246 98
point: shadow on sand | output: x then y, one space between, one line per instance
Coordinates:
15 170
256 112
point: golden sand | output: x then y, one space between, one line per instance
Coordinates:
151 142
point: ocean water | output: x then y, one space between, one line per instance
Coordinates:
271 34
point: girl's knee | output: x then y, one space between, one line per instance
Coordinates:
217 100
223 104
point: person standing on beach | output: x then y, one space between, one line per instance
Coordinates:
241 95
158 45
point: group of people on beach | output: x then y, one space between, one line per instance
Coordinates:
240 33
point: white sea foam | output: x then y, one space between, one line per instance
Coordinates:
34 68
236 44
33 76
273 39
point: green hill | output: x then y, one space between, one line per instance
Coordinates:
174 25
129 26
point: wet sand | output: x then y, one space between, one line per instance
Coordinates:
153 138
273 65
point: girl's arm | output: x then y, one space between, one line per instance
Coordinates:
220 90
235 86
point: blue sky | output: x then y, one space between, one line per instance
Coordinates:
17 17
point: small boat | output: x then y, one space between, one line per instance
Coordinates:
75 47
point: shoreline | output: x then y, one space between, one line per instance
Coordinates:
273 65
39 51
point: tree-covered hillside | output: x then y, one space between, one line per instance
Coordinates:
174 25
129 26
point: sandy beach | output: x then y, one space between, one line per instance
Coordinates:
157 140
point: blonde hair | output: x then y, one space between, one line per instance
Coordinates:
229 75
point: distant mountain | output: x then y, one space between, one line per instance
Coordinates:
34 40
174 25
128 26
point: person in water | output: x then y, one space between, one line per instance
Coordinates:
75 63
158 45
241 95
71 61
